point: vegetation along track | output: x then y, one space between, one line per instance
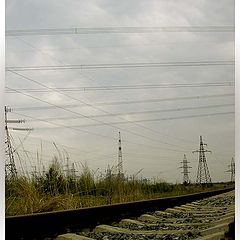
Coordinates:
204 215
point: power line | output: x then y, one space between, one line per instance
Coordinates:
36 98
142 112
122 65
64 146
127 87
63 107
48 120
150 120
87 104
147 128
73 128
98 109
126 102
105 30
103 123
90 106
153 44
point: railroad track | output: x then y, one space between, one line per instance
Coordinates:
196 216
204 219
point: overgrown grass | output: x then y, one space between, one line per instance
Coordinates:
54 191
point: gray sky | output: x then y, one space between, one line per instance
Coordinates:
156 146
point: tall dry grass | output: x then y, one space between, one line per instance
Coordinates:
55 191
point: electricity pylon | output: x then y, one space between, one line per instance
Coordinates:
120 162
67 166
203 175
185 170
73 171
10 167
232 170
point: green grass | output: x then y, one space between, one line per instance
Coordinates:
54 191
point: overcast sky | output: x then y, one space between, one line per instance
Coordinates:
156 132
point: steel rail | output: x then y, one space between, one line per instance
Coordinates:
51 224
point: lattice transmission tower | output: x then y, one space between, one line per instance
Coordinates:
73 171
120 162
10 166
232 170
203 175
185 170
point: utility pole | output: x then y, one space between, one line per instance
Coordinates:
185 172
203 175
120 163
232 170
10 167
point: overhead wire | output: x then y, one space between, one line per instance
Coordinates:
144 120
158 119
59 91
128 87
122 65
64 146
156 100
154 131
76 32
151 130
135 143
123 29
36 98
152 44
101 122
142 112
101 135
87 104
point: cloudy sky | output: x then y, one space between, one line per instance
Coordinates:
160 110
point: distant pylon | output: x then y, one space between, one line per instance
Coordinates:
185 170
73 171
120 163
203 175
232 170
34 172
68 169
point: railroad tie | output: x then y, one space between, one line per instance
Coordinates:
72 236
111 229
